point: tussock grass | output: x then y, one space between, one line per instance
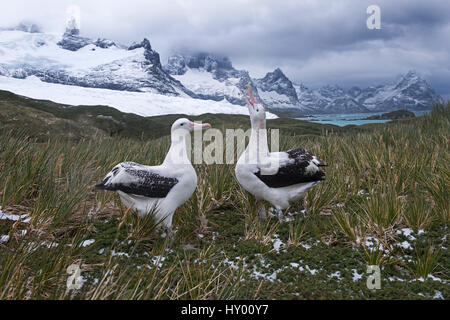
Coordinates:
380 180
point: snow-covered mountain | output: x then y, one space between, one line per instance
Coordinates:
210 77
76 60
277 91
328 99
71 59
408 92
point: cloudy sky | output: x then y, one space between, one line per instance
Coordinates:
314 42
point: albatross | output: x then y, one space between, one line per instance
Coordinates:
278 177
158 190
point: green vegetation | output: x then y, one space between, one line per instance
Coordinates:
385 202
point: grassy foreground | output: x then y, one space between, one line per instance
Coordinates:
385 202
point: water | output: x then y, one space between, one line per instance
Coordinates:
349 118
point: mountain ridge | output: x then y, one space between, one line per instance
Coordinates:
72 59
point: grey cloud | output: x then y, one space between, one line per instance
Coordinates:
314 42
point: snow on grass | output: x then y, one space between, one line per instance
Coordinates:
277 243
429 277
405 245
407 232
7 216
4 238
394 278
120 254
336 274
312 271
141 103
86 243
356 275
157 261
438 295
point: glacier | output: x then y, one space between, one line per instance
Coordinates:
141 103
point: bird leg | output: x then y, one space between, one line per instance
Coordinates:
168 235
280 214
261 209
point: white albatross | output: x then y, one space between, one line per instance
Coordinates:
158 190
278 177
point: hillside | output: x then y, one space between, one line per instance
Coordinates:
45 119
393 115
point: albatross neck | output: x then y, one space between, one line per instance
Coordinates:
177 154
258 138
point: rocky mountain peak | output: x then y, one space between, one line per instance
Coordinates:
278 82
354 91
71 39
143 44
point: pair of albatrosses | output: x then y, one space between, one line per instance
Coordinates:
278 177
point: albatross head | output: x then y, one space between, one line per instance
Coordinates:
185 126
256 110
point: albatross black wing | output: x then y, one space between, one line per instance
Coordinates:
302 167
134 178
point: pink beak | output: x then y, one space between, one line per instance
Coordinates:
250 99
199 126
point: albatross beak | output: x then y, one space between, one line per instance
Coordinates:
250 99
199 126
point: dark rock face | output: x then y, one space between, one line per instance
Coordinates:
220 68
72 41
143 44
104 43
176 65
278 82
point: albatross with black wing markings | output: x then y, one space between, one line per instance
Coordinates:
159 190
277 177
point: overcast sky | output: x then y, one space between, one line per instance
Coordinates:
314 42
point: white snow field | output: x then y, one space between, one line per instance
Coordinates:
201 81
141 103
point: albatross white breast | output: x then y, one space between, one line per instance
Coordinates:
278 177
159 190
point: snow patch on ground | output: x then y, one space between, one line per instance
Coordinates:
13 217
336 274
86 243
356 275
277 243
